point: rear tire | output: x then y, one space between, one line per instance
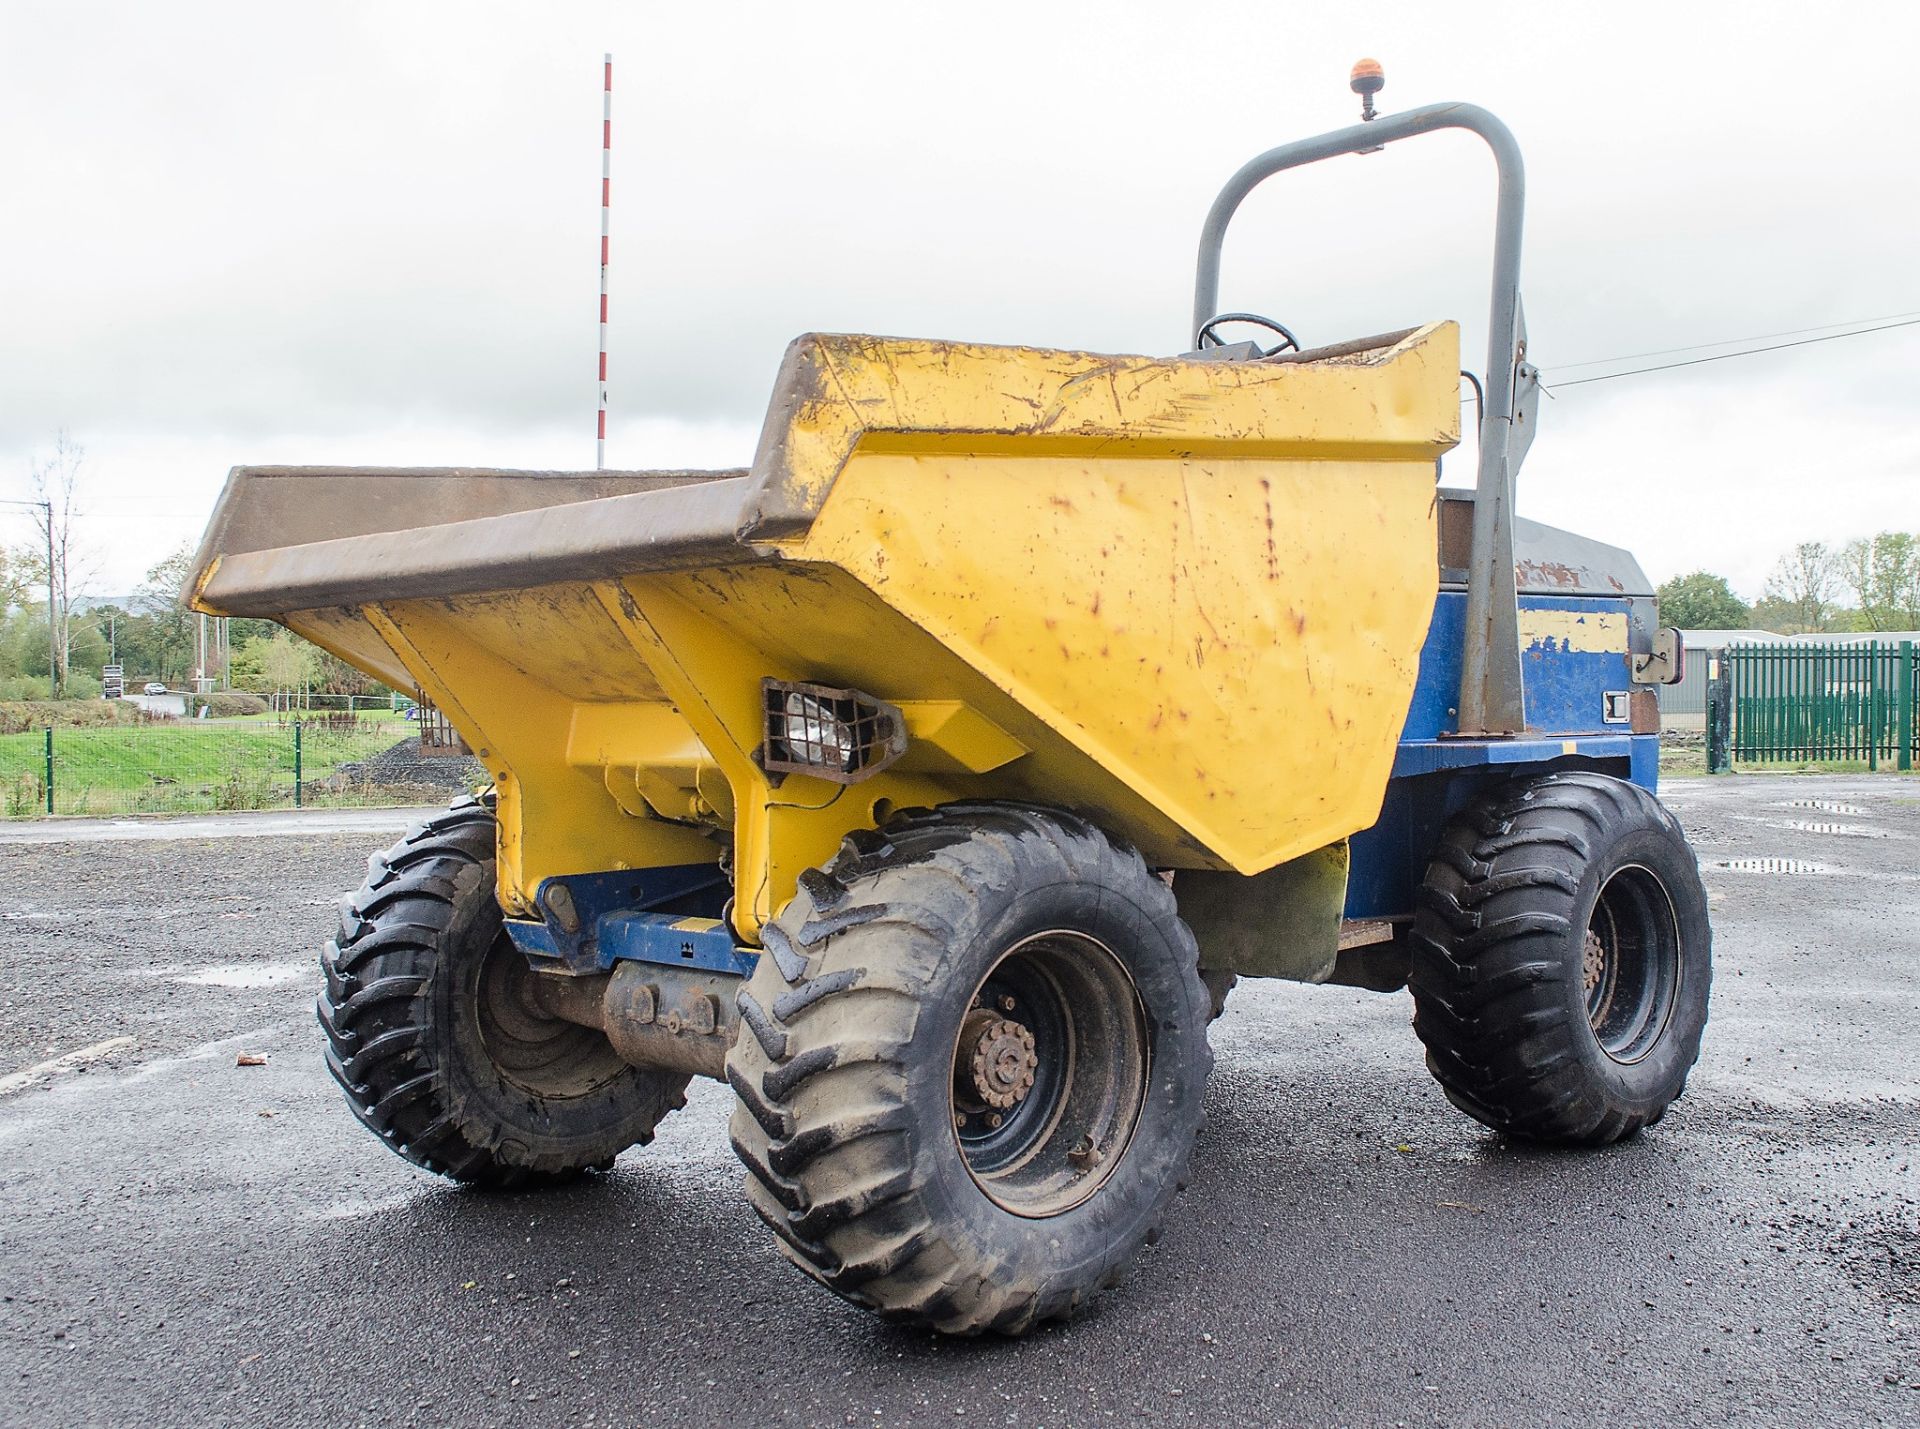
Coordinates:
1218 984
1562 959
434 1035
969 1067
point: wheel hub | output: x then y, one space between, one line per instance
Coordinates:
1593 960
999 1056
1050 1071
526 1043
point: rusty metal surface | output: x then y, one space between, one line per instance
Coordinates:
671 528
1376 967
658 1016
1130 570
1350 350
840 391
678 1019
1643 710
438 737
998 1057
262 507
1546 559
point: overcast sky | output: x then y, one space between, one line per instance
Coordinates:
367 233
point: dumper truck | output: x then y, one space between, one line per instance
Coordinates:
932 780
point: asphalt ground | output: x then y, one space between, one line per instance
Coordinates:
184 1240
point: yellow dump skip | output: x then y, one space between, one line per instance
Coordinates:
1185 596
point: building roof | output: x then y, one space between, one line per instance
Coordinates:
1862 637
1719 639
1715 639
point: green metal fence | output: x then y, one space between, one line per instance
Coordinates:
199 766
1825 703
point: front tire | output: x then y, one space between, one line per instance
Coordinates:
436 1038
970 1066
1562 959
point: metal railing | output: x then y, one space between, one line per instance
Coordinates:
1492 700
203 766
1838 703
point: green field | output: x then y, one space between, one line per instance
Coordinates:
181 766
1690 760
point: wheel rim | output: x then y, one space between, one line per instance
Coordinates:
1630 963
528 1046
1050 1071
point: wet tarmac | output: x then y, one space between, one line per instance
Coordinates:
185 1240
265 823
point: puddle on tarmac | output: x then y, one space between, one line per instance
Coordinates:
249 975
1812 826
1825 806
1771 865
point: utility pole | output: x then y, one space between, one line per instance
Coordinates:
53 639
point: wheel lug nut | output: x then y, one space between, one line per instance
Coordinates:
994 1120
1006 1004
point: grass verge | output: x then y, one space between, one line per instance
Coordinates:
194 766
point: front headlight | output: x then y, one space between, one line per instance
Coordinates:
829 733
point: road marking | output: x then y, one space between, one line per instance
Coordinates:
14 1081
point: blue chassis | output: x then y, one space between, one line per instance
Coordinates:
676 915
1436 773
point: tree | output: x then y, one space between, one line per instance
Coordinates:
23 651
1803 585
336 677
169 627
16 583
56 482
1702 601
1883 572
87 650
289 663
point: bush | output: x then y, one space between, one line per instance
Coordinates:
241 790
25 795
230 705
18 716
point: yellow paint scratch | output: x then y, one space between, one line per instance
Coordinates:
1599 632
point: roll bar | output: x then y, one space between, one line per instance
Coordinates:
1492 696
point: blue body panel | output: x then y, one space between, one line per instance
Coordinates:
659 915
1564 686
1436 773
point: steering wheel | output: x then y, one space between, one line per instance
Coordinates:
1207 337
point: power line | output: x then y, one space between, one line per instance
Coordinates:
1728 342
1723 356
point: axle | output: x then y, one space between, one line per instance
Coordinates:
679 1019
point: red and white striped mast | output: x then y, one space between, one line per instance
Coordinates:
606 203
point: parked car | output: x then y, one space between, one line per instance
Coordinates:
154 687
